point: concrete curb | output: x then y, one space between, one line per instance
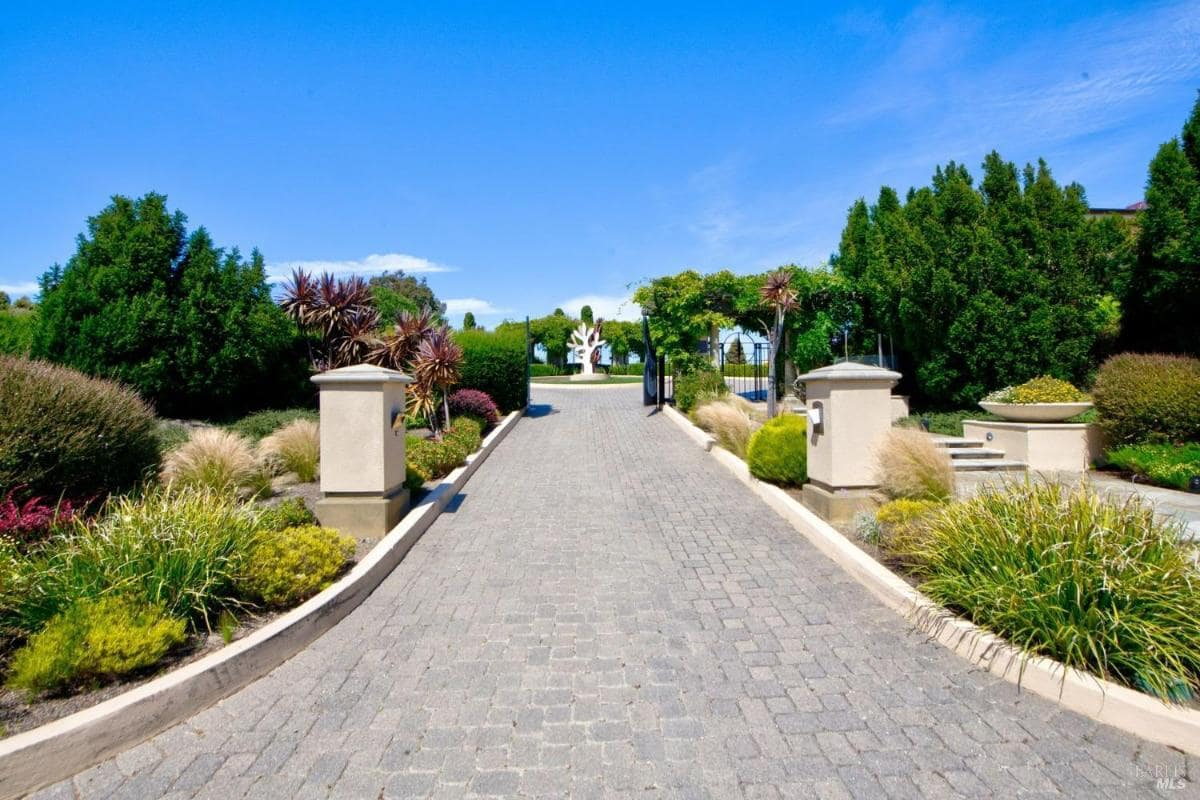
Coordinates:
60 749
696 434
1101 700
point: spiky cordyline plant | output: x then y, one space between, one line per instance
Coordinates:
777 293
339 311
398 350
436 367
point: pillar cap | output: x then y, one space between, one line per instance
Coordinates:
361 373
850 371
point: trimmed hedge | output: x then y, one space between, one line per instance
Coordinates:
1149 398
778 451
65 434
494 362
543 371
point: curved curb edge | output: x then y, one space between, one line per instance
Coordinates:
1083 693
60 749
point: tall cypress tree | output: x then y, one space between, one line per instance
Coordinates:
1163 298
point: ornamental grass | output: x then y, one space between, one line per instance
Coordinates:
216 459
296 447
911 466
1098 585
729 421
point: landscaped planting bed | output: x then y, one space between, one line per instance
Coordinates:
199 535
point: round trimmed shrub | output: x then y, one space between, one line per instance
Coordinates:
65 434
289 566
778 451
1149 398
474 403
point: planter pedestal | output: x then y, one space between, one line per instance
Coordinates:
1041 446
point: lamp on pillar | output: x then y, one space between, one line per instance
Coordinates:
362 449
849 412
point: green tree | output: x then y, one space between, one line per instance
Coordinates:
585 315
191 328
1163 296
978 287
23 303
468 323
735 353
552 332
623 338
5 302
397 291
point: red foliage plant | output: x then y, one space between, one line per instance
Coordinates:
31 521
474 403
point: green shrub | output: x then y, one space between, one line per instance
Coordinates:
171 434
94 640
62 433
698 387
180 549
543 371
901 523
16 332
1097 584
1149 398
430 459
414 481
1162 464
289 513
1043 389
262 424
191 326
289 566
778 451
494 362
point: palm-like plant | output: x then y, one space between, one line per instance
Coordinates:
779 295
339 311
437 365
399 349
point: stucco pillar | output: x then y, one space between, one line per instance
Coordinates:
362 449
850 409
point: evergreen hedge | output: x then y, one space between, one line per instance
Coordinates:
494 362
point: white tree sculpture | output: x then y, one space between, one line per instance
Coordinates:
586 343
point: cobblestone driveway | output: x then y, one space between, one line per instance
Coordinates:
607 613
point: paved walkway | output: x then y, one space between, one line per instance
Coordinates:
607 613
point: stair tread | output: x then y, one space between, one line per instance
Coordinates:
954 442
987 464
967 453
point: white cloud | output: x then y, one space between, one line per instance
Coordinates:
606 306
461 305
371 265
15 290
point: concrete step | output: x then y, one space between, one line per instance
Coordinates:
960 453
955 442
988 464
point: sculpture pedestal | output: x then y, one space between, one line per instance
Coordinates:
593 377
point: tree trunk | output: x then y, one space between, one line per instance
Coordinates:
714 344
776 332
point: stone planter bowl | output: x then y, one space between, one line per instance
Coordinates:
1036 412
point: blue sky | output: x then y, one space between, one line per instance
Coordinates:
531 155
